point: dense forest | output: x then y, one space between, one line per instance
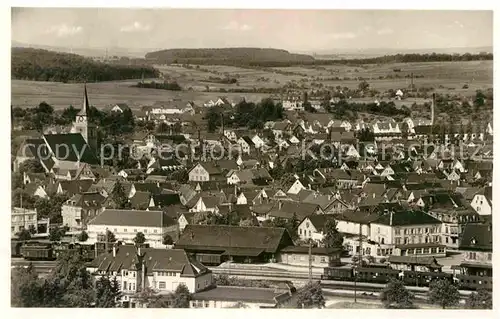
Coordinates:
255 57
229 56
44 65
407 58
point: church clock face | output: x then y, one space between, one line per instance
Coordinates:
80 119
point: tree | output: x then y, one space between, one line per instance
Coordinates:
363 86
69 284
181 297
110 237
444 293
482 299
31 166
147 297
167 240
139 238
26 288
333 238
213 118
24 234
55 234
107 292
311 296
396 293
83 236
120 197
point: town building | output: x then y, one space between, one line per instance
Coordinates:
160 269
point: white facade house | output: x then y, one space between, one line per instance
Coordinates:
482 202
125 224
257 141
293 105
296 187
160 269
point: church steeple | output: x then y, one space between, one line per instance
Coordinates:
83 124
85 107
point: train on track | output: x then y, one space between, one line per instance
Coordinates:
410 278
47 250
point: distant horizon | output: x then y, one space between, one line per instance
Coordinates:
340 51
142 30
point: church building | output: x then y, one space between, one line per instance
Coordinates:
62 154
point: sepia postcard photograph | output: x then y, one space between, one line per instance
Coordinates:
251 158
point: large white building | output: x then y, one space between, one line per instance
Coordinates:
125 224
160 269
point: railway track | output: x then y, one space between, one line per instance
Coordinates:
262 274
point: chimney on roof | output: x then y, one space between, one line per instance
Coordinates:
390 220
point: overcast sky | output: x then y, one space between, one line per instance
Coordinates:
298 30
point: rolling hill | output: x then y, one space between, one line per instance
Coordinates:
44 65
229 56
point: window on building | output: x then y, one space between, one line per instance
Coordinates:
135 230
161 285
378 252
397 231
433 250
489 256
207 304
125 285
115 230
125 273
155 231
425 250
323 259
410 251
300 231
446 239
398 240
418 251
441 249
125 230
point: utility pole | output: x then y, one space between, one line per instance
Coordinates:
359 262
310 260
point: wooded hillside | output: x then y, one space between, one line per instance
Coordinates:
44 65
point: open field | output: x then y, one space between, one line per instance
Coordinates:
61 95
451 75
446 77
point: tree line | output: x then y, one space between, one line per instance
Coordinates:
44 65
246 114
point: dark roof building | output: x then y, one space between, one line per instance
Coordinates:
217 241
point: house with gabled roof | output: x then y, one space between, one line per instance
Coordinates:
214 244
312 227
125 224
207 204
162 270
77 211
476 245
482 202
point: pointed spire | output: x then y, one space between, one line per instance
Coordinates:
86 105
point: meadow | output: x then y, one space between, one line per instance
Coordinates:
103 94
445 77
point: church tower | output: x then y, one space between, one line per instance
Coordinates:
83 125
